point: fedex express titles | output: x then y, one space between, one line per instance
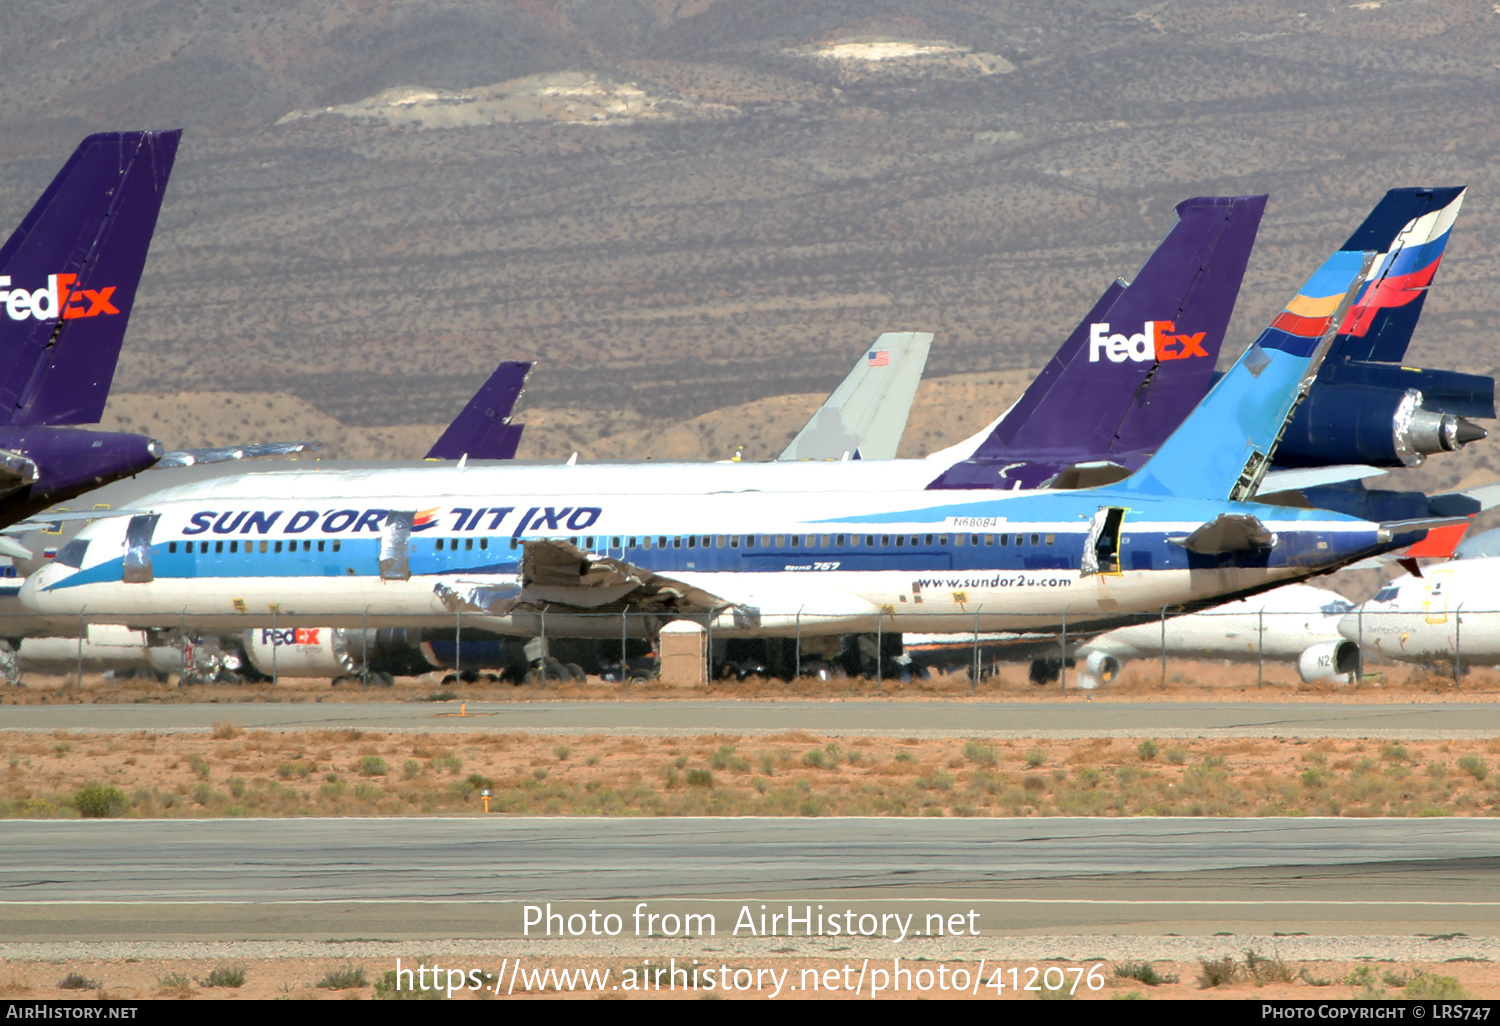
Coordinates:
1155 341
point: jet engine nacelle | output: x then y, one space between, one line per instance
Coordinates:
300 652
1335 661
1099 668
1380 427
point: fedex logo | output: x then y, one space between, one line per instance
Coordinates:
1155 341
56 299
299 636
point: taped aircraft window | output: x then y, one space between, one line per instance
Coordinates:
73 552
262 547
172 546
734 541
825 541
1051 539
720 541
989 539
646 542
959 539
336 544
765 541
942 539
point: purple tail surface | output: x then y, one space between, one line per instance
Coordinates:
1140 360
68 277
483 430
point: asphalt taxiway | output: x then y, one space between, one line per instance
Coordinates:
472 877
1071 719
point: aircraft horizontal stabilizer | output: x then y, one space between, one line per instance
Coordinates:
1312 477
1095 474
1229 532
44 520
230 453
559 575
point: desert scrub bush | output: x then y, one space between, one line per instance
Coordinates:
905 757
1217 972
979 754
226 731
175 985
1142 972
1474 766
224 976
199 765
77 981
346 977
562 752
1035 758
1395 753
388 988
700 778
372 766
1436 987
725 759
1147 750
1267 969
446 760
288 770
1177 755
1088 776
100 801
411 769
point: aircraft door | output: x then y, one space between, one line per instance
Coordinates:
136 567
1101 549
395 545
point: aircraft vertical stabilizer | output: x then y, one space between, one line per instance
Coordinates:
68 277
1141 358
482 430
866 415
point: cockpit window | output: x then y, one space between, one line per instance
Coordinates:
73 552
1385 594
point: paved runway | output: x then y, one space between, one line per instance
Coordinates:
416 878
918 719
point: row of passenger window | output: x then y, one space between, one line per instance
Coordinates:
265 546
782 541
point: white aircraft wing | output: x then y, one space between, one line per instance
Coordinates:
866 415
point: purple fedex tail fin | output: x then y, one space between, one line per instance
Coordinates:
483 430
1137 364
68 277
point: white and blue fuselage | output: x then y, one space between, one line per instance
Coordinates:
305 548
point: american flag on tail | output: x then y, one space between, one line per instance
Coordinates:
879 358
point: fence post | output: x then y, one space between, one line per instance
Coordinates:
797 656
80 650
1163 646
1260 645
1062 670
974 682
364 650
1458 648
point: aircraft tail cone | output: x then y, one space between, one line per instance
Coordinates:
1466 431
